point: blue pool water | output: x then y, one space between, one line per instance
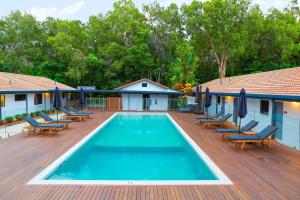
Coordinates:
135 147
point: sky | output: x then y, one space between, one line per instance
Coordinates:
82 9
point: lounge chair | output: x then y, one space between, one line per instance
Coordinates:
79 112
213 116
188 108
262 137
225 132
48 119
75 116
34 125
215 122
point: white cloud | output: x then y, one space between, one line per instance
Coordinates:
267 4
72 9
41 13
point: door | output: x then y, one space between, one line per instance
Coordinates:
223 104
146 101
235 108
277 118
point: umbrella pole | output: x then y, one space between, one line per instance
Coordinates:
240 124
207 112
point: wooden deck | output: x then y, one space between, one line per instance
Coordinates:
256 173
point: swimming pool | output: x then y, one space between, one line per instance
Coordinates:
134 148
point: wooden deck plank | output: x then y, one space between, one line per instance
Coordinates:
256 173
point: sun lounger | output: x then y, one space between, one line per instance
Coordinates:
75 116
213 116
48 119
188 108
215 122
263 137
225 132
79 112
34 125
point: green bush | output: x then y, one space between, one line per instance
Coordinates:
32 114
24 114
19 117
48 111
9 119
36 113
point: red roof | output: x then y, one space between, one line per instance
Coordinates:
277 82
13 82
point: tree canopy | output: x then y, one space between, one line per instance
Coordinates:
187 44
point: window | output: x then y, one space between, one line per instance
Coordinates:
264 107
2 100
38 99
20 97
144 84
218 99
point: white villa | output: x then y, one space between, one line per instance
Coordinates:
25 94
273 99
145 94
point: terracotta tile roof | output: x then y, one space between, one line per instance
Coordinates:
142 80
277 82
13 82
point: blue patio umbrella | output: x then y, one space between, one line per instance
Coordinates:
242 106
81 98
207 100
57 101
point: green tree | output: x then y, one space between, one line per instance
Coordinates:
219 25
185 65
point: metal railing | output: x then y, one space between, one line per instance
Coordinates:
288 126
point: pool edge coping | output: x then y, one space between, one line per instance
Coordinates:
222 178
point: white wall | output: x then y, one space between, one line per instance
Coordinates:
150 87
135 101
159 102
13 107
212 108
253 108
291 124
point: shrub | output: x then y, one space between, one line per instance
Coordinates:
36 113
24 114
32 114
9 119
48 111
19 117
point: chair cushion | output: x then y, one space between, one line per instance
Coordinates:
51 125
243 137
224 130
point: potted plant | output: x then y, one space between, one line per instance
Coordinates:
19 117
9 119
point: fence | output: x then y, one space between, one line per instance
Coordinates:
13 120
13 123
283 115
288 125
146 104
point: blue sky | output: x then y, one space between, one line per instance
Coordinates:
82 9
